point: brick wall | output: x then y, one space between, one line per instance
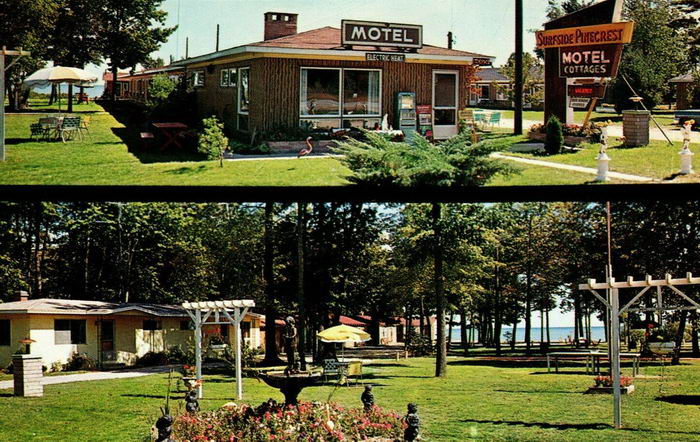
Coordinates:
635 128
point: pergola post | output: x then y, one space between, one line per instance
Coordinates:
615 355
198 350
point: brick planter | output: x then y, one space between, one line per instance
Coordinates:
27 375
635 128
296 146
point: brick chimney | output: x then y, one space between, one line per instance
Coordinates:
21 295
279 24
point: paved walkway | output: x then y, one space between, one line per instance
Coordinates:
96 376
581 169
615 131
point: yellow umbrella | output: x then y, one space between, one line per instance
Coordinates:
341 334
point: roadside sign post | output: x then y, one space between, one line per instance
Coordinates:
19 53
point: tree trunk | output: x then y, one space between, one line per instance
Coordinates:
441 354
549 337
70 98
463 330
449 330
271 352
301 223
52 96
113 92
675 360
514 339
497 307
528 287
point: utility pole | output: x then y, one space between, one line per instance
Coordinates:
449 40
518 102
19 53
217 38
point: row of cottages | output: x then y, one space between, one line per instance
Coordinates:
311 78
491 88
393 331
134 85
112 334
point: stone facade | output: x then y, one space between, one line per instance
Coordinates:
635 128
28 375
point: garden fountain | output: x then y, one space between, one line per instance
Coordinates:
292 380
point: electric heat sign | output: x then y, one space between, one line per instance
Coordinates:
589 61
381 34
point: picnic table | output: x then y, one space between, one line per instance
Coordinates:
592 360
171 132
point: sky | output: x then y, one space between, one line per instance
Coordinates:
482 26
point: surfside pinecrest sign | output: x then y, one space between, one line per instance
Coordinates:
611 33
364 33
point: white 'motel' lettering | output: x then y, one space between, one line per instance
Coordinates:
374 33
358 33
595 57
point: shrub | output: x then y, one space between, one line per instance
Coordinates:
555 136
160 89
273 421
152 358
80 361
419 345
176 355
247 149
212 141
56 367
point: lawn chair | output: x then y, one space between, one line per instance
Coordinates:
331 367
354 369
69 127
36 130
50 126
85 126
479 118
495 118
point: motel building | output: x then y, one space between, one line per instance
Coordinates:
331 78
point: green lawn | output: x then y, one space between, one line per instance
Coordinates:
479 399
106 159
657 160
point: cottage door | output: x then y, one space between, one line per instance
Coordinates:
107 352
445 99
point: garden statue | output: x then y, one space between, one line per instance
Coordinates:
191 402
686 154
290 334
367 398
164 425
412 422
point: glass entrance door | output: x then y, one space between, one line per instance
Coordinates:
445 98
107 340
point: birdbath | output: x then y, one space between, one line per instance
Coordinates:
290 384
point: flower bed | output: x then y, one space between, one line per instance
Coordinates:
604 385
273 421
573 133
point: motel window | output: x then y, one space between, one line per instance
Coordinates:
186 325
197 79
484 92
326 95
243 98
228 77
5 332
69 331
152 324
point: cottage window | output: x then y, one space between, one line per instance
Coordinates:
243 98
186 325
224 78
5 332
327 94
69 331
152 324
484 92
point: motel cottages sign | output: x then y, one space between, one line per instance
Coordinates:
365 33
588 51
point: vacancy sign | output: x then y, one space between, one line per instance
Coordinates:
609 33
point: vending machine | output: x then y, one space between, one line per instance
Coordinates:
406 113
425 120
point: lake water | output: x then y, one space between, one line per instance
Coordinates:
555 333
93 92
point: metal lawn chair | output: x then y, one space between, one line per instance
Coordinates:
50 126
331 367
495 118
85 126
354 369
36 130
69 127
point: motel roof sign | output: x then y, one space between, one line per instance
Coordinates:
365 33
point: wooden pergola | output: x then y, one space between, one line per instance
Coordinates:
221 314
612 305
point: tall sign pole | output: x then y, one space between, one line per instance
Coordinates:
518 102
3 52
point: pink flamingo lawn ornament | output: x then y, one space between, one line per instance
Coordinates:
307 150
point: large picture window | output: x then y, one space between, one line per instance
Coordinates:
69 331
335 97
5 338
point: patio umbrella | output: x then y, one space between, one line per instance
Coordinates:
340 334
58 75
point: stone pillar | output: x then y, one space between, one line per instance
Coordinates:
635 127
27 375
